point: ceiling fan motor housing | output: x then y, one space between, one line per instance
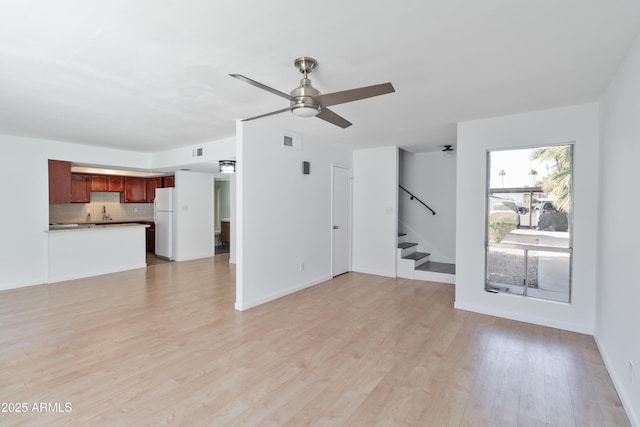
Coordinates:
302 101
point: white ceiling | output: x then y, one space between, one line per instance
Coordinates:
151 75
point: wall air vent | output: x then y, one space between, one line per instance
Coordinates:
288 141
196 152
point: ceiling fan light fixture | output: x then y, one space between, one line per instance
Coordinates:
227 166
447 150
305 110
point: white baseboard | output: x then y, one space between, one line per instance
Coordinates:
433 276
99 272
7 286
573 327
633 416
374 272
262 300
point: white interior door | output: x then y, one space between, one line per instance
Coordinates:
341 220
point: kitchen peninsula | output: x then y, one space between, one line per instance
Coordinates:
100 221
83 250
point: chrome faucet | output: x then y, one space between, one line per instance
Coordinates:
105 215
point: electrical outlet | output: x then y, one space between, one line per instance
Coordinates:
631 373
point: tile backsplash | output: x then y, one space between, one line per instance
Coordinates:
77 212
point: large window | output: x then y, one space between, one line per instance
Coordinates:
529 217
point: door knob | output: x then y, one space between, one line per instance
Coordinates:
335 227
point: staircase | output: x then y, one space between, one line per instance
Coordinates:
412 264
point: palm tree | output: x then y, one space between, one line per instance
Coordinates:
533 173
502 173
557 183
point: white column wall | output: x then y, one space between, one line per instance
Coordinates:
618 316
578 125
283 217
375 213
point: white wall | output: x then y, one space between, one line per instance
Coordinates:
375 218
283 216
212 151
578 124
24 213
431 177
194 215
618 316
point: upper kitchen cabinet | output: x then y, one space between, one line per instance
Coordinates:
59 181
152 184
80 188
109 183
116 184
135 190
99 183
169 181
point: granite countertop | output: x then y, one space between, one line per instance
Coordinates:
98 225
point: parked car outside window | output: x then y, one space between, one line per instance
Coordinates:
551 219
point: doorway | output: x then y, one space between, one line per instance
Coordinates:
222 215
340 220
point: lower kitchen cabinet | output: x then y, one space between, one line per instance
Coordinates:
151 237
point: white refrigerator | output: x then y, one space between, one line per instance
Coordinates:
163 217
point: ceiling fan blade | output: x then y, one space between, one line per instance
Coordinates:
260 85
333 118
336 98
273 113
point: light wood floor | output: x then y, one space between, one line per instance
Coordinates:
164 346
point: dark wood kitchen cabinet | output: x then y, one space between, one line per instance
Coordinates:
151 237
99 183
116 184
169 181
80 188
152 184
108 183
135 190
225 232
59 182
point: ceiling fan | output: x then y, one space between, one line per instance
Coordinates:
306 101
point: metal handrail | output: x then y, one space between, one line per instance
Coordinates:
413 196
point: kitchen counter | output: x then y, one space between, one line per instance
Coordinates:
91 249
92 226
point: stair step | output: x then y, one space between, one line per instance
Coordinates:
406 245
416 256
438 267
